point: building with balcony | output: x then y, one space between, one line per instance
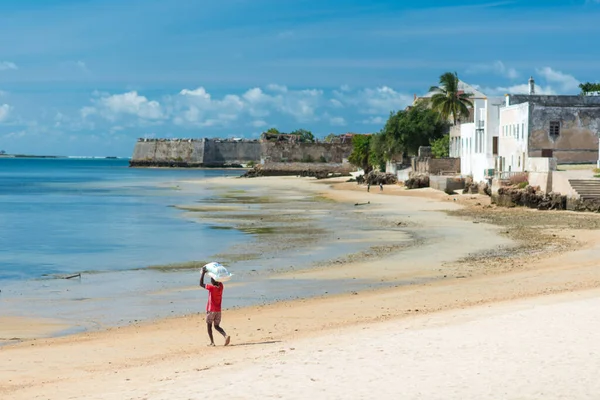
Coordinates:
475 139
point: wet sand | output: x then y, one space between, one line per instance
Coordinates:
443 322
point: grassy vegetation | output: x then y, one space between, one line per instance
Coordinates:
235 198
230 258
322 199
576 167
176 266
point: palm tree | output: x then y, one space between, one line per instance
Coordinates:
448 100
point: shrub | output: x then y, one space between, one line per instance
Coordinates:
322 159
308 159
522 185
518 179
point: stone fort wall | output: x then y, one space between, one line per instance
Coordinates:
195 153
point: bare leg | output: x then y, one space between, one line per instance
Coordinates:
222 332
210 333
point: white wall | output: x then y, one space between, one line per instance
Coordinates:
514 137
477 139
455 142
540 164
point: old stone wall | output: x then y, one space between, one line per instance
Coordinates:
319 170
446 184
275 152
229 153
577 141
162 152
435 166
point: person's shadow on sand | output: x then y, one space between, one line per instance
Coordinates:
254 343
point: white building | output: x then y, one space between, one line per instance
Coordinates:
564 128
475 140
513 145
479 139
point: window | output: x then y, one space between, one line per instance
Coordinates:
554 128
523 131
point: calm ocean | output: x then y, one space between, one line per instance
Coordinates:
61 216
108 221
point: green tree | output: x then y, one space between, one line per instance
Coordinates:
588 88
304 135
274 131
329 138
361 149
405 131
440 148
448 100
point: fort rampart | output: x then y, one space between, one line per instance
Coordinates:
198 153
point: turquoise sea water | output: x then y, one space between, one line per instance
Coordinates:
109 222
61 216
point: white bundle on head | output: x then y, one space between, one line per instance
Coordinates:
218 272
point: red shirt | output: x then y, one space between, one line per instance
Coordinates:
215 295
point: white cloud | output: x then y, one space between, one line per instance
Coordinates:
497 67
258 123
14 135
566 82
336 103
5 110
337 121
82 66
374 121
87 111
59 118
517 89
197 107
7 65
380 100
277 88
114 106
116 129
256 107
547 82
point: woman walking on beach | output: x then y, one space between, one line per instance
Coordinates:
213 307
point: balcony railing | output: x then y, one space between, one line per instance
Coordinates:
506 175
480 124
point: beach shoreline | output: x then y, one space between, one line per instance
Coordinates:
445 274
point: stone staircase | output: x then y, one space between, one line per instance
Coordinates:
587 189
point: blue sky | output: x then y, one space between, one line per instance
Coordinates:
88 77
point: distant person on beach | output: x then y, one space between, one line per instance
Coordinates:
380 186
368 187
213 307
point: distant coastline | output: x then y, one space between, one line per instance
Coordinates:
62 157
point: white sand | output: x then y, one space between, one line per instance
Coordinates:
533 349
472 343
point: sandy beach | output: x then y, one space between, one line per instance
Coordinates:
457 299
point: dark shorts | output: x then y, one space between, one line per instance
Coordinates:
213 317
